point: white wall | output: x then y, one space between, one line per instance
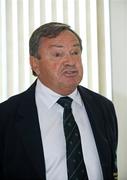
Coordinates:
119 72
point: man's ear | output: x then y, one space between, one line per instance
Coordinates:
34 63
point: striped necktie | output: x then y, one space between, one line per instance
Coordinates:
75 164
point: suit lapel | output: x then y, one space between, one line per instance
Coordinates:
97 121
29 130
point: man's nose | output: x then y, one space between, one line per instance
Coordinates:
69 59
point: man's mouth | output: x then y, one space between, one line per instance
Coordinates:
70 73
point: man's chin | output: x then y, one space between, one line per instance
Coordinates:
70 85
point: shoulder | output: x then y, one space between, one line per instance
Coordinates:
99 103
91 95
11 108
102 105
12 104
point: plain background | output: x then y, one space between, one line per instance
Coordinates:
119 80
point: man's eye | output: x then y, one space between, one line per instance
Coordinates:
58 54
75 53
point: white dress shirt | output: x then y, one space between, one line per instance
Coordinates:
51 124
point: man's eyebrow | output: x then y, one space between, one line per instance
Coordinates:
56 45
61 46
76 45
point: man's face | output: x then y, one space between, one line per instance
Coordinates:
59 66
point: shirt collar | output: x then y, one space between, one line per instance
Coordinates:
49 97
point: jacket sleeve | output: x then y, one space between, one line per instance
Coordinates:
1 141
112 136
4 119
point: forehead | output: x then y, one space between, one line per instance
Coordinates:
65 38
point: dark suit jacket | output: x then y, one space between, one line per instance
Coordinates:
21 149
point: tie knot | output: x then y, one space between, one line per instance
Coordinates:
65 102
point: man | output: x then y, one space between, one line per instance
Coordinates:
33 143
